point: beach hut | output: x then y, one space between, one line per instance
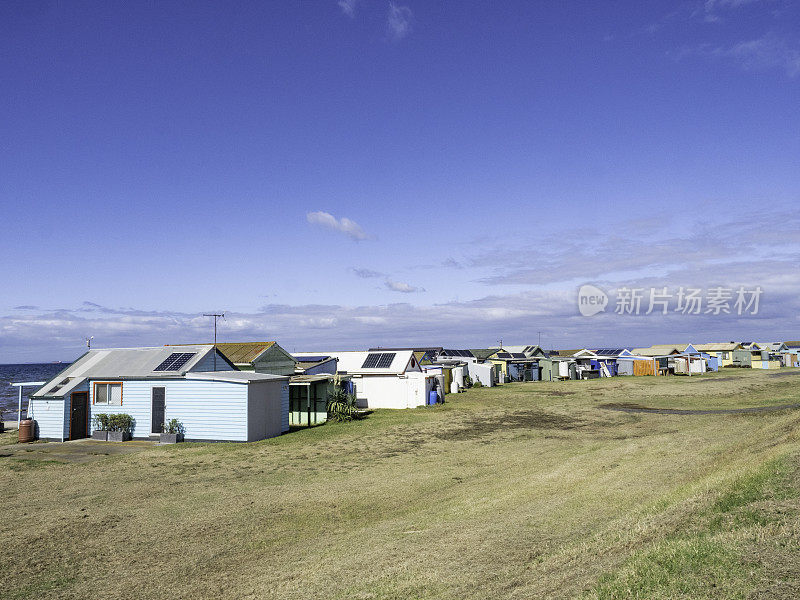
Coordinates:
195 384
381 378
308 398
516 366
314 365
723 351
656 351
635 365
755 358
259 357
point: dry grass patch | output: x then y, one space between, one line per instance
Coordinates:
529 490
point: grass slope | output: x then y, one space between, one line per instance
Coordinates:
528 490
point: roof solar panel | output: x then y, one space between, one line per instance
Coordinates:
518 355
379 360
371 361
385 361
175 361
503 355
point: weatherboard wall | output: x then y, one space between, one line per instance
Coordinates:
207 363
209 410
284 407
50 417
274 361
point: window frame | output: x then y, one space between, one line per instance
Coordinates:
108 396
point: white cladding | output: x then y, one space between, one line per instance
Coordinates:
388 391
237 411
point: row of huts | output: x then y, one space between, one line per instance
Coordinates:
254 390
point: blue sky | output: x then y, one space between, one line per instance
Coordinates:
338 174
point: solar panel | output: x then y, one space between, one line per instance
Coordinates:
518 355
175 361
609 351
385 361
503 355
379 360
371 361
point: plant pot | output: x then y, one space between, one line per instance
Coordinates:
100 434
118 436
170 438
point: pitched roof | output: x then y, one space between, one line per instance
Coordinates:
774 346
660 351
717 347
240 353
610 351
680 347
569 352
483 353
353 362
118 363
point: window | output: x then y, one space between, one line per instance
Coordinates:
108 393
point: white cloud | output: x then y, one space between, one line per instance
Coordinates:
366 273
766 52
402 287
348 7
344 225
399 20
515 317
761 54
711 8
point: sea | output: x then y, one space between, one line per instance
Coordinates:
9 395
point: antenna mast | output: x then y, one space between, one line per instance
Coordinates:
216 316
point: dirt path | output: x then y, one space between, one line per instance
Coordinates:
638 408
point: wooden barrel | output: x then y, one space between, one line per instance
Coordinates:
26 431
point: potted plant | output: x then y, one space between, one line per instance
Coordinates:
120 427
172 432
100 427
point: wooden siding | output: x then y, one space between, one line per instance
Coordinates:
49 417
275 361
207 363
284 407
209 410
643 367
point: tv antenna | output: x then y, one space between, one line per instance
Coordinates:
216 316
89 342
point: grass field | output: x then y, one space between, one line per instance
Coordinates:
528 490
